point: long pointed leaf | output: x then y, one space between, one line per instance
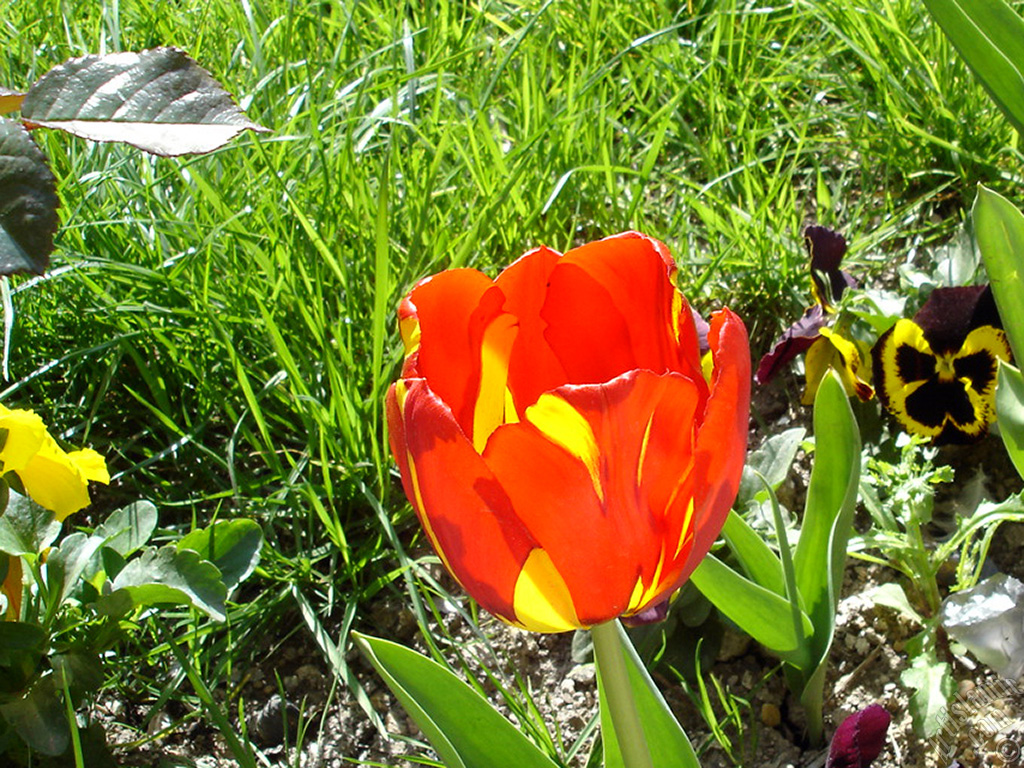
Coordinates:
999 228
990 36
758 611
668 743
464 729
1010 413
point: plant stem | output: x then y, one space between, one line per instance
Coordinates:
611 665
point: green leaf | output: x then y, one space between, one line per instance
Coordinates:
760 612
21 649
128 529
820 556
28 203
828 513
232 545
666 740
1010 413
66 563
464 729
892 596
167 575
38 717
755 557
160 101
772 461
990 36
25 527
999 227
933 686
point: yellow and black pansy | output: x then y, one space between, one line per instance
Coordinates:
936 374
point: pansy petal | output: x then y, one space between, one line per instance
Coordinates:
464 511
53 481
25 434
795 340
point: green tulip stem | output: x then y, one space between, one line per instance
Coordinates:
611 666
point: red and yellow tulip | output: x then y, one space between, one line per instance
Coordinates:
567 458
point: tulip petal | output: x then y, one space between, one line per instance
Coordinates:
611 307
464 511
466 369
722 439
592 472
533 367
542 599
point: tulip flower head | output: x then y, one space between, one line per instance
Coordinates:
565 454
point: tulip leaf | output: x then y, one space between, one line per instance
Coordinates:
1010 413
160 101
666 740
28 203
828 512
820 555
464 729
999 228
756 558
757 610
990 36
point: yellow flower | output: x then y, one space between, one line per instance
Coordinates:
52 477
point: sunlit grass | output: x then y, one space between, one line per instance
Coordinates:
222 326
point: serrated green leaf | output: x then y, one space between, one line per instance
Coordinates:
892 596
1010 413
159 100
126 530
232 545
772 461
999 228
25 527
38 717
28 203
167 575
461 725
666 740
933 686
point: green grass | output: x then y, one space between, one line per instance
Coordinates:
222 328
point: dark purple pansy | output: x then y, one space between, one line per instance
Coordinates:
826 248
859 738
794 341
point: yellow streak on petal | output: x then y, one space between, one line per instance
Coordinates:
489 410
686 532
511 414
409 327
421 508
566 427
541 599
642 596
643 451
